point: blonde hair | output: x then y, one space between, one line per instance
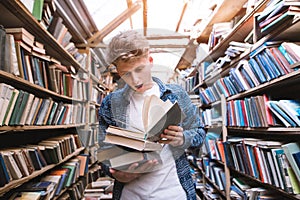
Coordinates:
126 47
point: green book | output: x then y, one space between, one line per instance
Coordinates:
16 108
71 175
21 108
53 109
37 9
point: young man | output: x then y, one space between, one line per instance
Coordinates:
129 52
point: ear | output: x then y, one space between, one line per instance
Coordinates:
150 59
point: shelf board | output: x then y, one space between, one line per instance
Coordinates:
26 85
31 127
267 130
272 187
15 183
293 76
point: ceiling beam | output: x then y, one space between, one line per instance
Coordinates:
98 36
129 4
181 16
145 16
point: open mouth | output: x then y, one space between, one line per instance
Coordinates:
139 86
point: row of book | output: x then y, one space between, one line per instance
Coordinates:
22 161
271 162
60 32
211 116
68 177
266 63
45 12
240 188
96 94
219 32
260 111
23 108
277 14
214 172
36 67
42 10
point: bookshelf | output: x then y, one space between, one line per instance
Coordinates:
79 71
240 139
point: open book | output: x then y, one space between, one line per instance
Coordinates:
157 115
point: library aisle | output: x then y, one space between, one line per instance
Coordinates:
228 113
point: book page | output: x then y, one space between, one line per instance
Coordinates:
155 111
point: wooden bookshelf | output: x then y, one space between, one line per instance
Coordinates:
15 183
15 15
280 87
224 12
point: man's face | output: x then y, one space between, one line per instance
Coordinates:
137 74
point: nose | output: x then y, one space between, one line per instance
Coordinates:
134 78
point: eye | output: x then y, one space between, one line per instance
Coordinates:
140 68
127 74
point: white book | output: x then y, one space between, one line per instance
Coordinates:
277 167
18 153
43 112
11 106
3 89
11 165
32 110
27 109
5 102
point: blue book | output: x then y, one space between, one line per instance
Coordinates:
269 76
296 157
230 86
283 19
252 160
269 66
236 84
278 69
284 118
257 71
247 77
238 191
5 178
286 55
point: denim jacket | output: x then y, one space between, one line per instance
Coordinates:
113 112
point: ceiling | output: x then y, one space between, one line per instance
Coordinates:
167 24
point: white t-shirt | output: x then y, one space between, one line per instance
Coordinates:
161 184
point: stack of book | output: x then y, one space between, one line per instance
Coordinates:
278 14
19 162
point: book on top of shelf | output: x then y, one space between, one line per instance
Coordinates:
157 115
21 34
289 149
280 114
